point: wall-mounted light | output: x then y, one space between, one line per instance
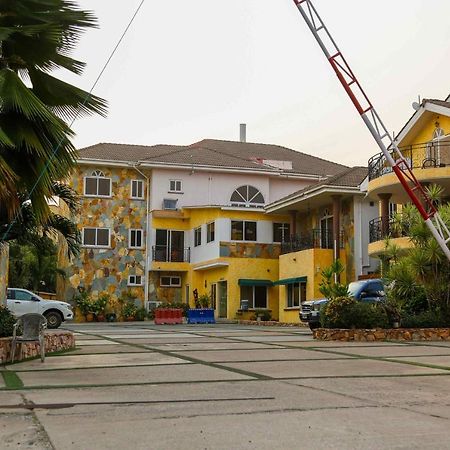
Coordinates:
318 269
206 284
294 259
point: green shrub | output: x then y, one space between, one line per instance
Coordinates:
141 314
346 312
7 321
425 319
178 305
129 309
264 314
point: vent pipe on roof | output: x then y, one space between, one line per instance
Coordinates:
243 129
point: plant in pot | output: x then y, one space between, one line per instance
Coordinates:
204 301
84 303
129 310
100 306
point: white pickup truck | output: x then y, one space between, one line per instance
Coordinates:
21 301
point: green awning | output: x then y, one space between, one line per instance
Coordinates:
249 282
290 281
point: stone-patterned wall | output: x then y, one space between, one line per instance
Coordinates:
249 250
54 341
394 334
164 294
107 270
4 267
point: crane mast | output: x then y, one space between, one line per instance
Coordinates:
371 118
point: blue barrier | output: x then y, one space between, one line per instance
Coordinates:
205 315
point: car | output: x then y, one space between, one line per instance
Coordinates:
22 301
369 291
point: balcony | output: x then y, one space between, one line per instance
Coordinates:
396 230
430 162
310 240
163 253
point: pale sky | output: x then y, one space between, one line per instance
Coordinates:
196 69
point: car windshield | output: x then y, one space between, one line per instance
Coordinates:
355 287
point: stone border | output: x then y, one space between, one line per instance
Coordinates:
54 341
391 334
271 323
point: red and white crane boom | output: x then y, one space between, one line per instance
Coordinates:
368 113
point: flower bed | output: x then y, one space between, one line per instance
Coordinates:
391 334
54 341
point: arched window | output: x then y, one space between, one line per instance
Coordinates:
247 197
98 173
97 185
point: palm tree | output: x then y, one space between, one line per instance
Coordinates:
37 37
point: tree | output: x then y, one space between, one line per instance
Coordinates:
37 37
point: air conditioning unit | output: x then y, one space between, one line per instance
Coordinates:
152 304
170 204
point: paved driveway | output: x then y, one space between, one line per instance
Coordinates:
143 386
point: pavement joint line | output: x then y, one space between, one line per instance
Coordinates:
195 360
32 406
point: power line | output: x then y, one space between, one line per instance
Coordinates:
52 156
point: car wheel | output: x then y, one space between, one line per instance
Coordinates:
54 319
313 325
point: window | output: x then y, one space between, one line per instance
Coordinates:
137 189
210 232
135 238
243 231
170 282
170 203
392 209
175 186
96 237
256 296
198 236
97 185
135 280
170 247
281 232
23 295
296 295
247 197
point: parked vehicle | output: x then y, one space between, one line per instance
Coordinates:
22 301
369 291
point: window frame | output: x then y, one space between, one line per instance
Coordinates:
171 284
130 231
137 182
290 295
97 177
246 200
244 232
176 184
251 302
175 200
135 283
197 236
96 237
282 228
210 233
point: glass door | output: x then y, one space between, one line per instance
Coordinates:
223 296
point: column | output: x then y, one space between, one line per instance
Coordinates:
384 206
293 214
336 225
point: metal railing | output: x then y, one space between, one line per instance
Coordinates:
418 156
394 228
163 253
310 240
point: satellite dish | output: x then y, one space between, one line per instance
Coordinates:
416 106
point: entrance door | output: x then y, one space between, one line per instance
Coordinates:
223 296
326 232
177 246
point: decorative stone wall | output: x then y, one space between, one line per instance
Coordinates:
392 334
271 323
4 267
249 250
106 270
54 341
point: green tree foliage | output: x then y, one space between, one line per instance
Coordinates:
37 38
330 287
34 266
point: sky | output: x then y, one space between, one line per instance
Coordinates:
190 70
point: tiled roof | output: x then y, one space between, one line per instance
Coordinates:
350 177
215 153
445 104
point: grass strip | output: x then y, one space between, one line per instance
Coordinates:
11 379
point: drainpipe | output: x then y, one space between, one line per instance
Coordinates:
147 231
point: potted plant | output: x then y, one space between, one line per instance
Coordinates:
83 301
129 311
100 307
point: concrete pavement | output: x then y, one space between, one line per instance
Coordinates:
226 387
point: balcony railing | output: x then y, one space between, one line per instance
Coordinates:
419 156
395 228
310 240
163 253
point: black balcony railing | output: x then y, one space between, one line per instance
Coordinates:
310 240
394 228
419 156
163 253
